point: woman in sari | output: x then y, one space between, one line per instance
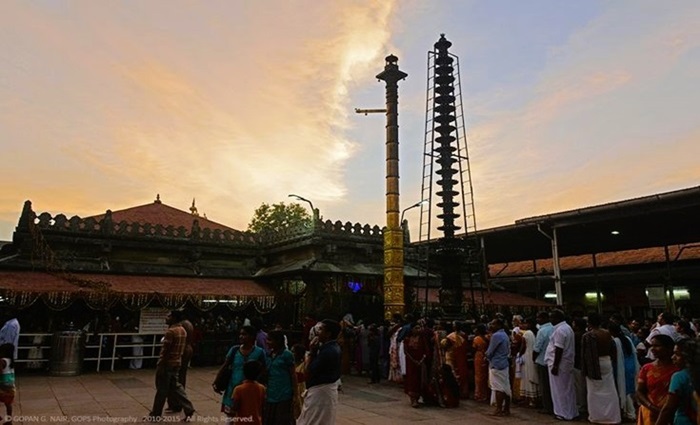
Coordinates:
455 348
281 382
416 351
516 345
680 408
529 379
394 361
481 366
626 370
654 380
438 360
361 348
238 355
345 341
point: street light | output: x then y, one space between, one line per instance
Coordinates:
291 195
417 204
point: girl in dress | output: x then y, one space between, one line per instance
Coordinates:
7 378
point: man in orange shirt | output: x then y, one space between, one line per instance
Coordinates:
168 367
249 396
173 406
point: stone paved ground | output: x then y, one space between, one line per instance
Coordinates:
125 397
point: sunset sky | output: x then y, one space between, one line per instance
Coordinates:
104 104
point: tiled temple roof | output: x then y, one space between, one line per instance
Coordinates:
158 213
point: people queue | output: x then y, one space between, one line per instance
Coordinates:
604 369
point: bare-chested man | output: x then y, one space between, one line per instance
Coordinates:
598 351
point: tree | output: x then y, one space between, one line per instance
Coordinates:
278 217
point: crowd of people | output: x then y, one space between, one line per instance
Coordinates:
269 383
603 369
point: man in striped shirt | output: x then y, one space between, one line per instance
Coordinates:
168 367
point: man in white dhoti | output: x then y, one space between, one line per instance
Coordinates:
597 351
560 360
499 379
323 368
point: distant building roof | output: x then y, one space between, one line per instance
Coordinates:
159 213
633 257
491 298
663 219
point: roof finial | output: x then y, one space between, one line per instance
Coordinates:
193 209
157 201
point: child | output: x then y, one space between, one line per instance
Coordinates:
249 396
7 378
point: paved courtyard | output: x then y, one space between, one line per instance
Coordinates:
126 396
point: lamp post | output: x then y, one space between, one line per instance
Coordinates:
416 205
314 211
299 198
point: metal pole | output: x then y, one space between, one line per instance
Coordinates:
555 263
668 285
599 298
557 270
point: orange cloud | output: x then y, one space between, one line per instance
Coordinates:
228 113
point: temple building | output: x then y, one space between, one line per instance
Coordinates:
640 255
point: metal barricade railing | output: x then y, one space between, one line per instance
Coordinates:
39 342
108 347
98 347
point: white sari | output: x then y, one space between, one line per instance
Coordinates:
529 381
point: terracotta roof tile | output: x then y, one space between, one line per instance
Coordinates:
165 215
43 282
498 298
606 259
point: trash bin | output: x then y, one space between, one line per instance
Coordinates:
67 351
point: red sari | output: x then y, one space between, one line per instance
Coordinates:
657 379
456 356
416 351
481 369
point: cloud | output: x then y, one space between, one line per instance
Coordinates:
232 104
238 103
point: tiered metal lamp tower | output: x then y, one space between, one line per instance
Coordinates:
447 182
